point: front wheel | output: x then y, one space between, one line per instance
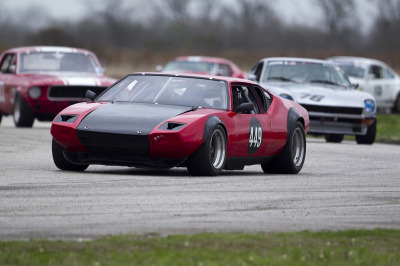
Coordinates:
23 115
209 159
293 155
368 138
61 162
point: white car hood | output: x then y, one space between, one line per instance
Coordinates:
321 94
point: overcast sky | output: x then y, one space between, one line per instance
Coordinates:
291 11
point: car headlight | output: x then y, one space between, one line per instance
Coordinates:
369 106
286 96
35 92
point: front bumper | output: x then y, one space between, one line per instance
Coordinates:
121 159
159 150
334 123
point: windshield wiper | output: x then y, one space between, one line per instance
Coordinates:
282 79
325 82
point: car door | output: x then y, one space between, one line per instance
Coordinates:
376 83
251 127
7 90
391 86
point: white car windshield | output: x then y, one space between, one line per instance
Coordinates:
58 62
158 89
305 72
353 70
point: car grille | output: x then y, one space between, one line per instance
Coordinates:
114 143
73 92
333 109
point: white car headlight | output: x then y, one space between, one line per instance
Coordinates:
35 92
369 106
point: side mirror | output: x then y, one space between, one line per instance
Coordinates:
245 107
252 76
159 68
90 95
102 70
11 69
355 85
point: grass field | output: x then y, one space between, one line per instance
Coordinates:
388 128
355 247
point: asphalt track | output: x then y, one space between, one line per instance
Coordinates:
341 186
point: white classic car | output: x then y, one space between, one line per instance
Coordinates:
375 77
335 107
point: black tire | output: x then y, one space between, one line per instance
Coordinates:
209 159
368 138
61 162
334 138
0 117
396 107
292 157
23 115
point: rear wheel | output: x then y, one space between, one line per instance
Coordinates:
23 115
0 117
293 155
334 138
209 159
368 138
396 107
61 162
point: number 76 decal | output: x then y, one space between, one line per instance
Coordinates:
313 97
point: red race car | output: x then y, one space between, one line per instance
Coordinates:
204 123
203 65
39 82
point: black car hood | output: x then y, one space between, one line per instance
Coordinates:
129 118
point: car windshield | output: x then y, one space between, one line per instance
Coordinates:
305 72
58 62
190 66
158 89
353 70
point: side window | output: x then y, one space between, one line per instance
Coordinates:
8 64
376 71
224 70
264 97
256 70
244 94
388 74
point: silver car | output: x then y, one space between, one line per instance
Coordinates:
335 107
375 77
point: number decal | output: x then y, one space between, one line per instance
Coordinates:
315 98
378 90
255 135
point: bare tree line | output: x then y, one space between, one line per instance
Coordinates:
244 29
